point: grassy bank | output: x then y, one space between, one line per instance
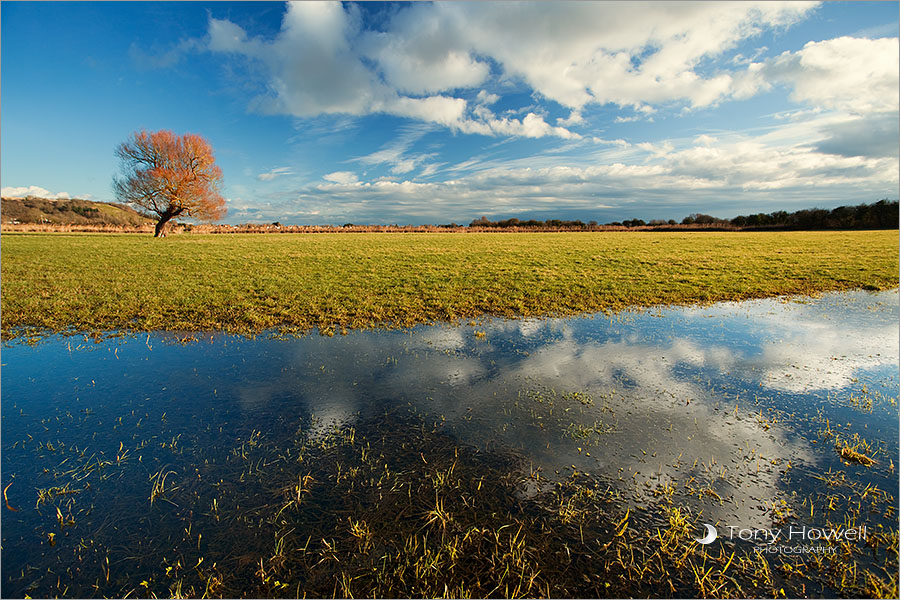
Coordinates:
246 283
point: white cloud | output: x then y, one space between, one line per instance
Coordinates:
323 62
578 53
404 166
425 57
33 190
341 177
884 30
532 126
278 172
430 169
617 142
755 165
574 118
856 75
318 64
433 109
638 56
484 97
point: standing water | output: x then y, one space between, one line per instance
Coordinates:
555 457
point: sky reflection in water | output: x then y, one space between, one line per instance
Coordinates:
722 398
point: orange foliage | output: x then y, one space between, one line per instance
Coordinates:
170 176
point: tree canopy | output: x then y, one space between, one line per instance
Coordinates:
171 176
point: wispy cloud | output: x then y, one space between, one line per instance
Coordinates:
274 173
705 169
396 152
159 58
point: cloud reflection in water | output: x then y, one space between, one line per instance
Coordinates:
666 382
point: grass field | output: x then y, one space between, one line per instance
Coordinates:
248 283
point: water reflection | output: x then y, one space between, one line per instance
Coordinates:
654 381
716 402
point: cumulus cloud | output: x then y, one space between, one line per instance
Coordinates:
754 165
532 126
575 118
623 53
311 67
426 56
33 190
856 75
485 97
319 63
852 86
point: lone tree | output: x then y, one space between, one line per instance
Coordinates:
170 176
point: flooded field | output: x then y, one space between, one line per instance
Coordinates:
556 457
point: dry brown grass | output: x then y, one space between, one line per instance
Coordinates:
56 228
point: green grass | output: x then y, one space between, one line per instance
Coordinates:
247 283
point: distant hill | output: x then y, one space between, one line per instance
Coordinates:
69 212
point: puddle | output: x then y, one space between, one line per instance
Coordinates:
126 462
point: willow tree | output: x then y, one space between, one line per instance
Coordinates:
170 176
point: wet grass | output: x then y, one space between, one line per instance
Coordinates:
247 283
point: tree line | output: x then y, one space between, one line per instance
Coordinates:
879 215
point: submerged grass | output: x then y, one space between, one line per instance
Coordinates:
248 283
394 506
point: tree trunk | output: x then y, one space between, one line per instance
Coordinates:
162 226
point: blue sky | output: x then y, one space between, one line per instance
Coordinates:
432 113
